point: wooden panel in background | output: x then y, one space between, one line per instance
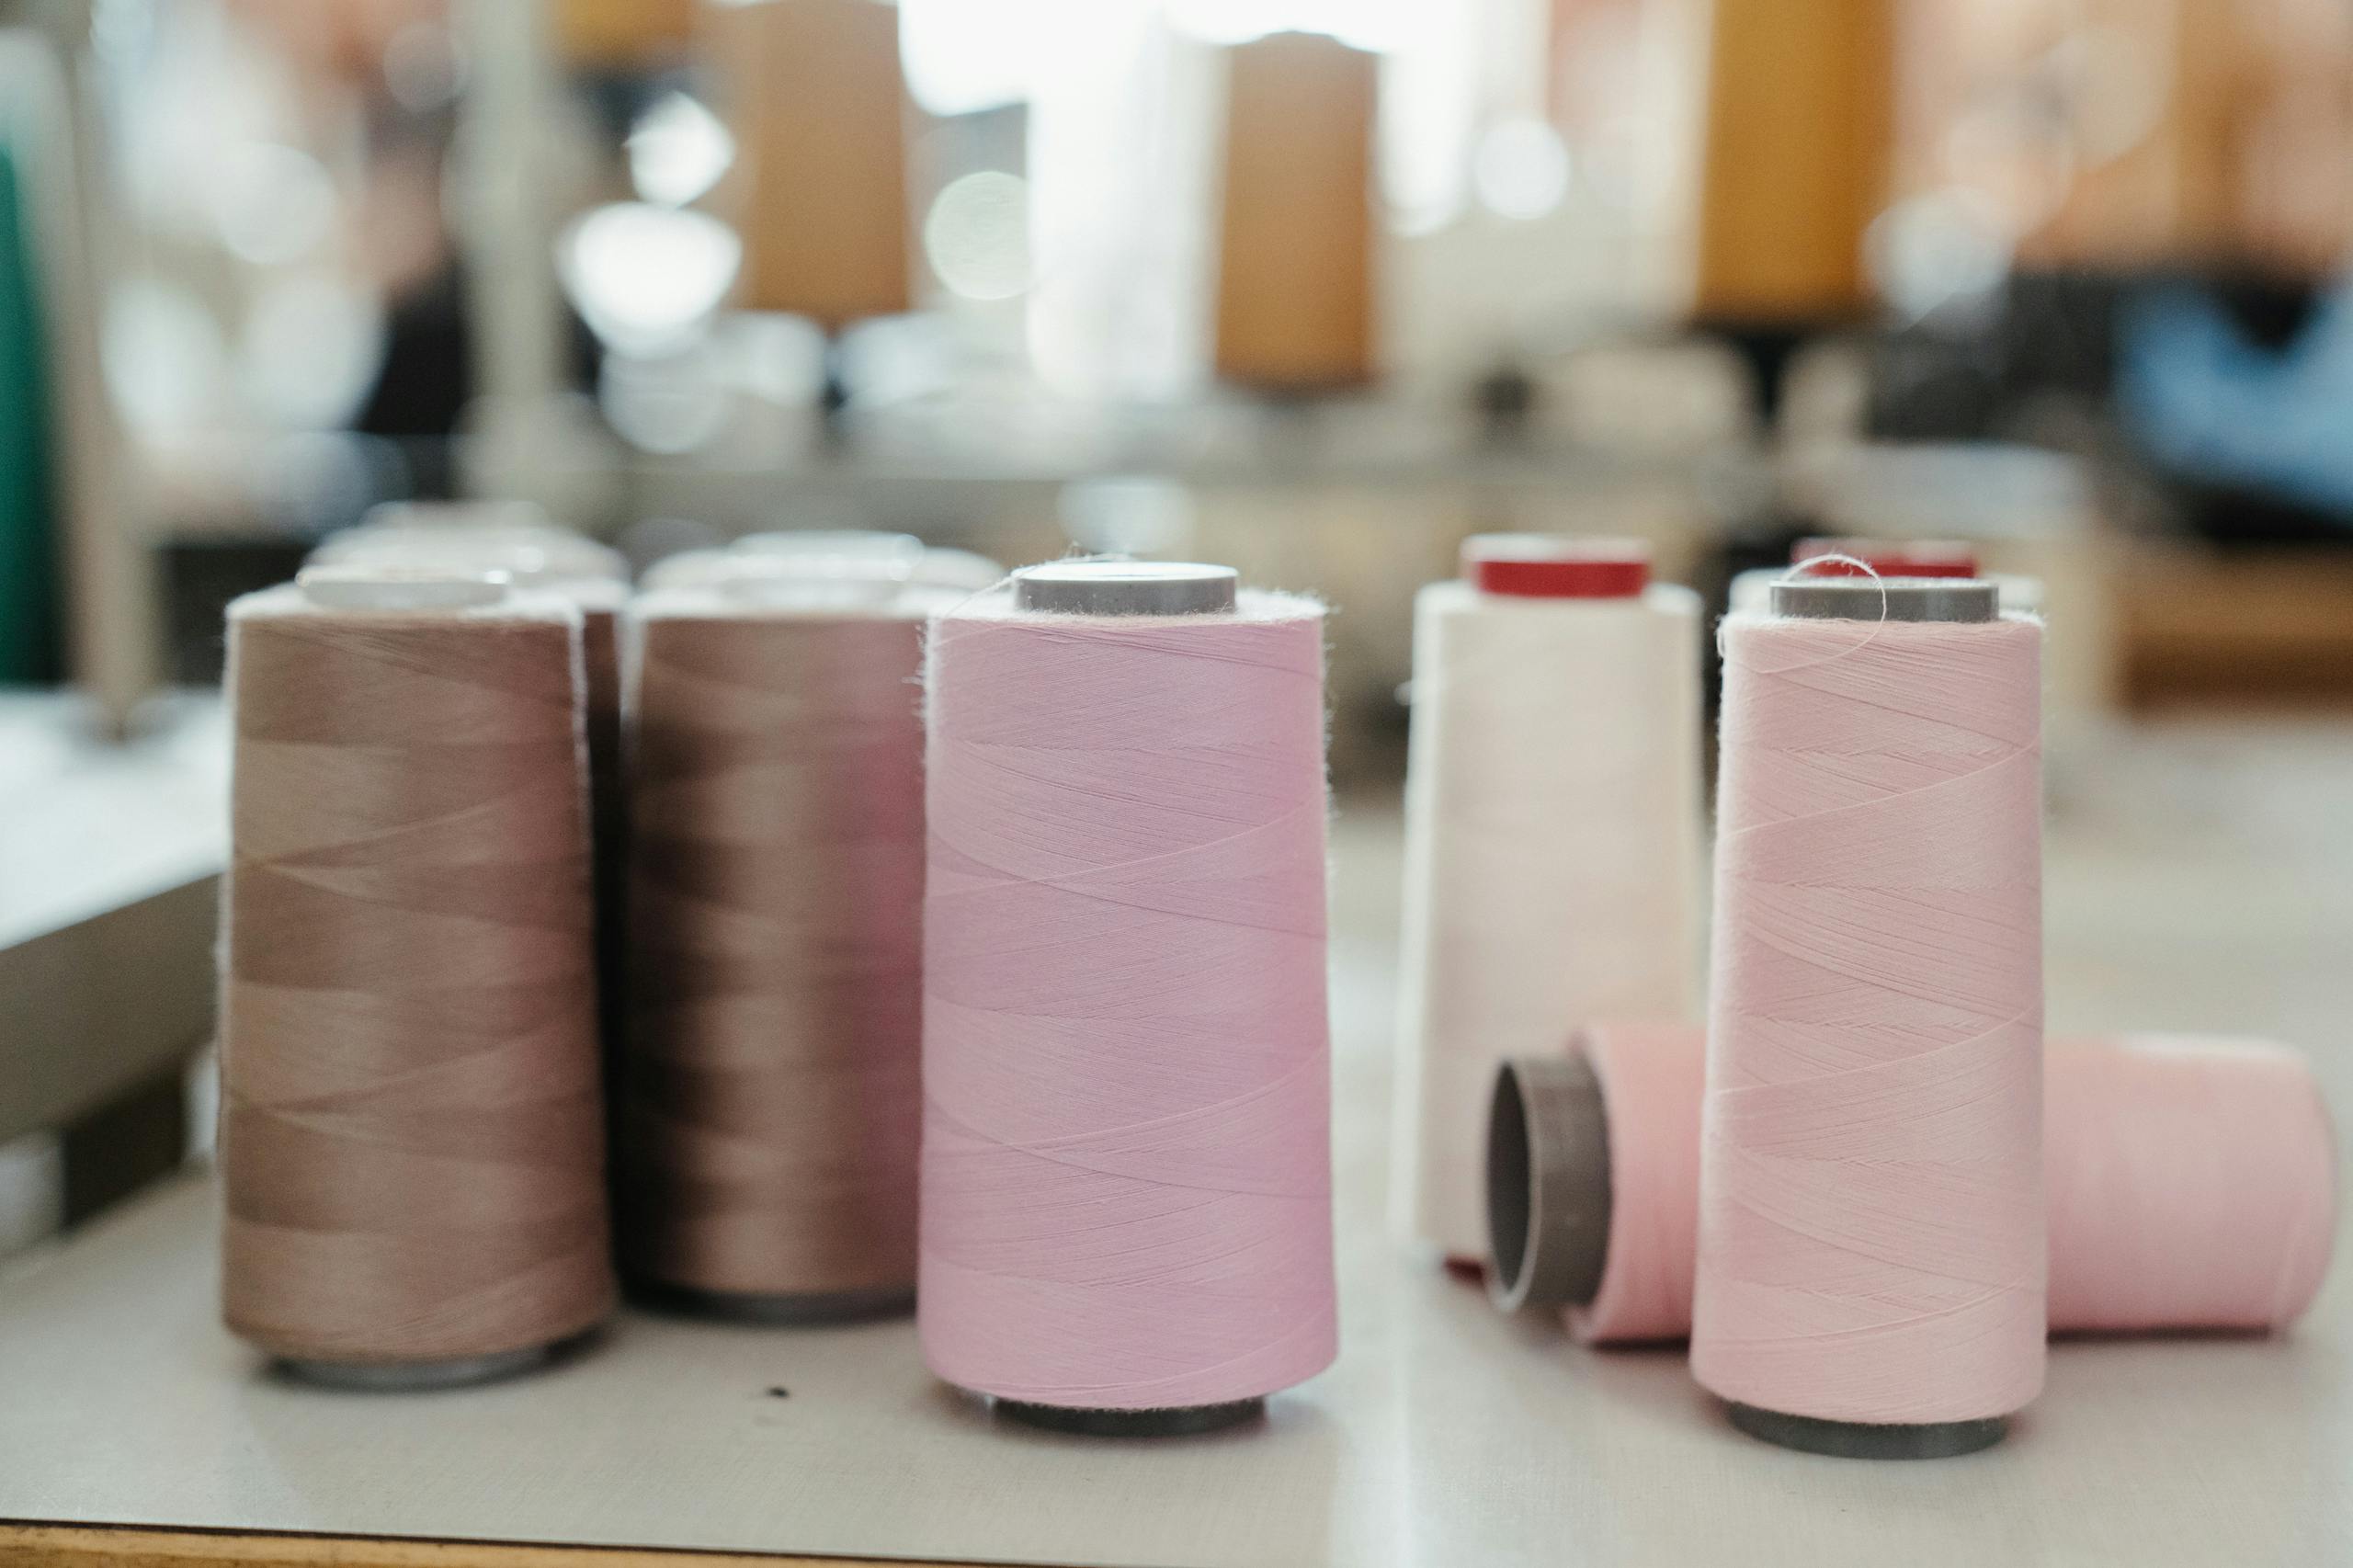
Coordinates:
1799 132
1295 243
812 91
2272 627
2189 133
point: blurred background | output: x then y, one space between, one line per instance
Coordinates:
1315 288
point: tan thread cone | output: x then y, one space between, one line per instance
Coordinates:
411 1127
773 1099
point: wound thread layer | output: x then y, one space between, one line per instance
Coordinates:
2190 1182
772 1107
1872 1242
1126 1160
412 1140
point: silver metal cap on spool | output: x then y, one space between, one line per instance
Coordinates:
1126 587
1548 1183
1948 599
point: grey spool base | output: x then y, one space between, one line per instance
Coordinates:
783 1310
1126 587
1548 1183
415 1377
1186 1421
1869 1440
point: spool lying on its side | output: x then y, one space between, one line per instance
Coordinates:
1593 1183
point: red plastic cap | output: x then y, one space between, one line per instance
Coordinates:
1555 566
1889 558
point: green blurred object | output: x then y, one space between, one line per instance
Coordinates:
29 631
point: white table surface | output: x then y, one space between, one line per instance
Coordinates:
2199 878
86 825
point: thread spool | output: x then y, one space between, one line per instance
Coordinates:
1552 836
814 95
1126 1177
2191 1183
1872 1247
411 1138
772 1102
1297 231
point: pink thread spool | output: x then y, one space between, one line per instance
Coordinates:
1872 1253
1125 1201
2191 1183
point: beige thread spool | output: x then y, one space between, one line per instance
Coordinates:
773 1104
411 1126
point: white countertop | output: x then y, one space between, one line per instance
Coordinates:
2199 879
86 825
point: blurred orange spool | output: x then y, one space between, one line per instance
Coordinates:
1799 122
812 91
1295 285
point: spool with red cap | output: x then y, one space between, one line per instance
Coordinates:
1552 807
1556 566
1886 558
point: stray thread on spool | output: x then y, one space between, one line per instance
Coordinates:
772 1100
2191 1183
1552 837
1872 1242
412 1140
1126 1162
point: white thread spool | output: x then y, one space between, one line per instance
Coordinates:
1552 837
